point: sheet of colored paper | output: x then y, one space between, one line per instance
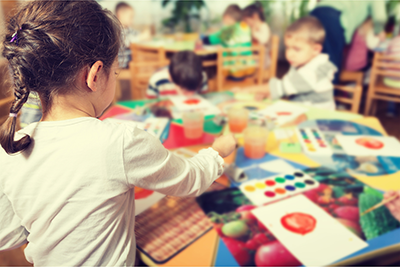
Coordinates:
282 112
113 111
313 236
365 145
193 103
177 139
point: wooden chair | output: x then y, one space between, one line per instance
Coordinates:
140 73
274 53
354 91
235 62
142 52
382 66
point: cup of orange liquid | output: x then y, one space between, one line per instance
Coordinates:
237 118
193 122
255 139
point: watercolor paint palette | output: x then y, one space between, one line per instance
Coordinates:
262 191
313 141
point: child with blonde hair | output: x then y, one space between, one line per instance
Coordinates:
309 80
67 182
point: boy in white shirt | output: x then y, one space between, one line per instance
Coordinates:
309 79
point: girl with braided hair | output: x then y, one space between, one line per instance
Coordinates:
67 182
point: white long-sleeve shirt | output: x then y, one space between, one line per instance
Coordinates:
310 84
71 194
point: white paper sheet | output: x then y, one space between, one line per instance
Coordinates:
282 112
204 106
366 145
277 166
328 242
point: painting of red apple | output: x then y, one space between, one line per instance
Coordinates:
299 223
370 143
192 101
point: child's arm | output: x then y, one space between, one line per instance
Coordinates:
152 88
12 234
394 205
150 166
303 81
261 91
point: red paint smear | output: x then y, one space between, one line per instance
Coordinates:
284 113
141 193
299 223
370 143
191 101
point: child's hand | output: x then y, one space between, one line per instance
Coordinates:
261 95
394 205
225 145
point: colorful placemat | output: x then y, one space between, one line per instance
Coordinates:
171 225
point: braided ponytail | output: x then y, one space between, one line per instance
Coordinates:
7 130
47 44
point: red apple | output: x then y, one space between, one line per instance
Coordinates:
275 254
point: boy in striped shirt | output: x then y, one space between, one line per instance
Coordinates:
184 75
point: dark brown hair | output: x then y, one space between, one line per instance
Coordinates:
252 9
310 26
54 41
233 11
185 69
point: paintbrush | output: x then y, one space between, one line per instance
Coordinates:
380 204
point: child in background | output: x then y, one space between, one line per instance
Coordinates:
234 33
67 183
184 75
260 31
309 80
125 14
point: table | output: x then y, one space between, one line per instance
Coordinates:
172 46
214 252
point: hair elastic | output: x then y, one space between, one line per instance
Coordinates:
13 115
15 36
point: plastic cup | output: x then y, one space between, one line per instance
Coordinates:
193 123
237 118
255 139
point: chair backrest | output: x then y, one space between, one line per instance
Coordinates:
274 53
386 65
383 66
141 71
142 52
352 92
240 58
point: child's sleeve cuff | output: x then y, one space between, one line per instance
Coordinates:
275 88
220 161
